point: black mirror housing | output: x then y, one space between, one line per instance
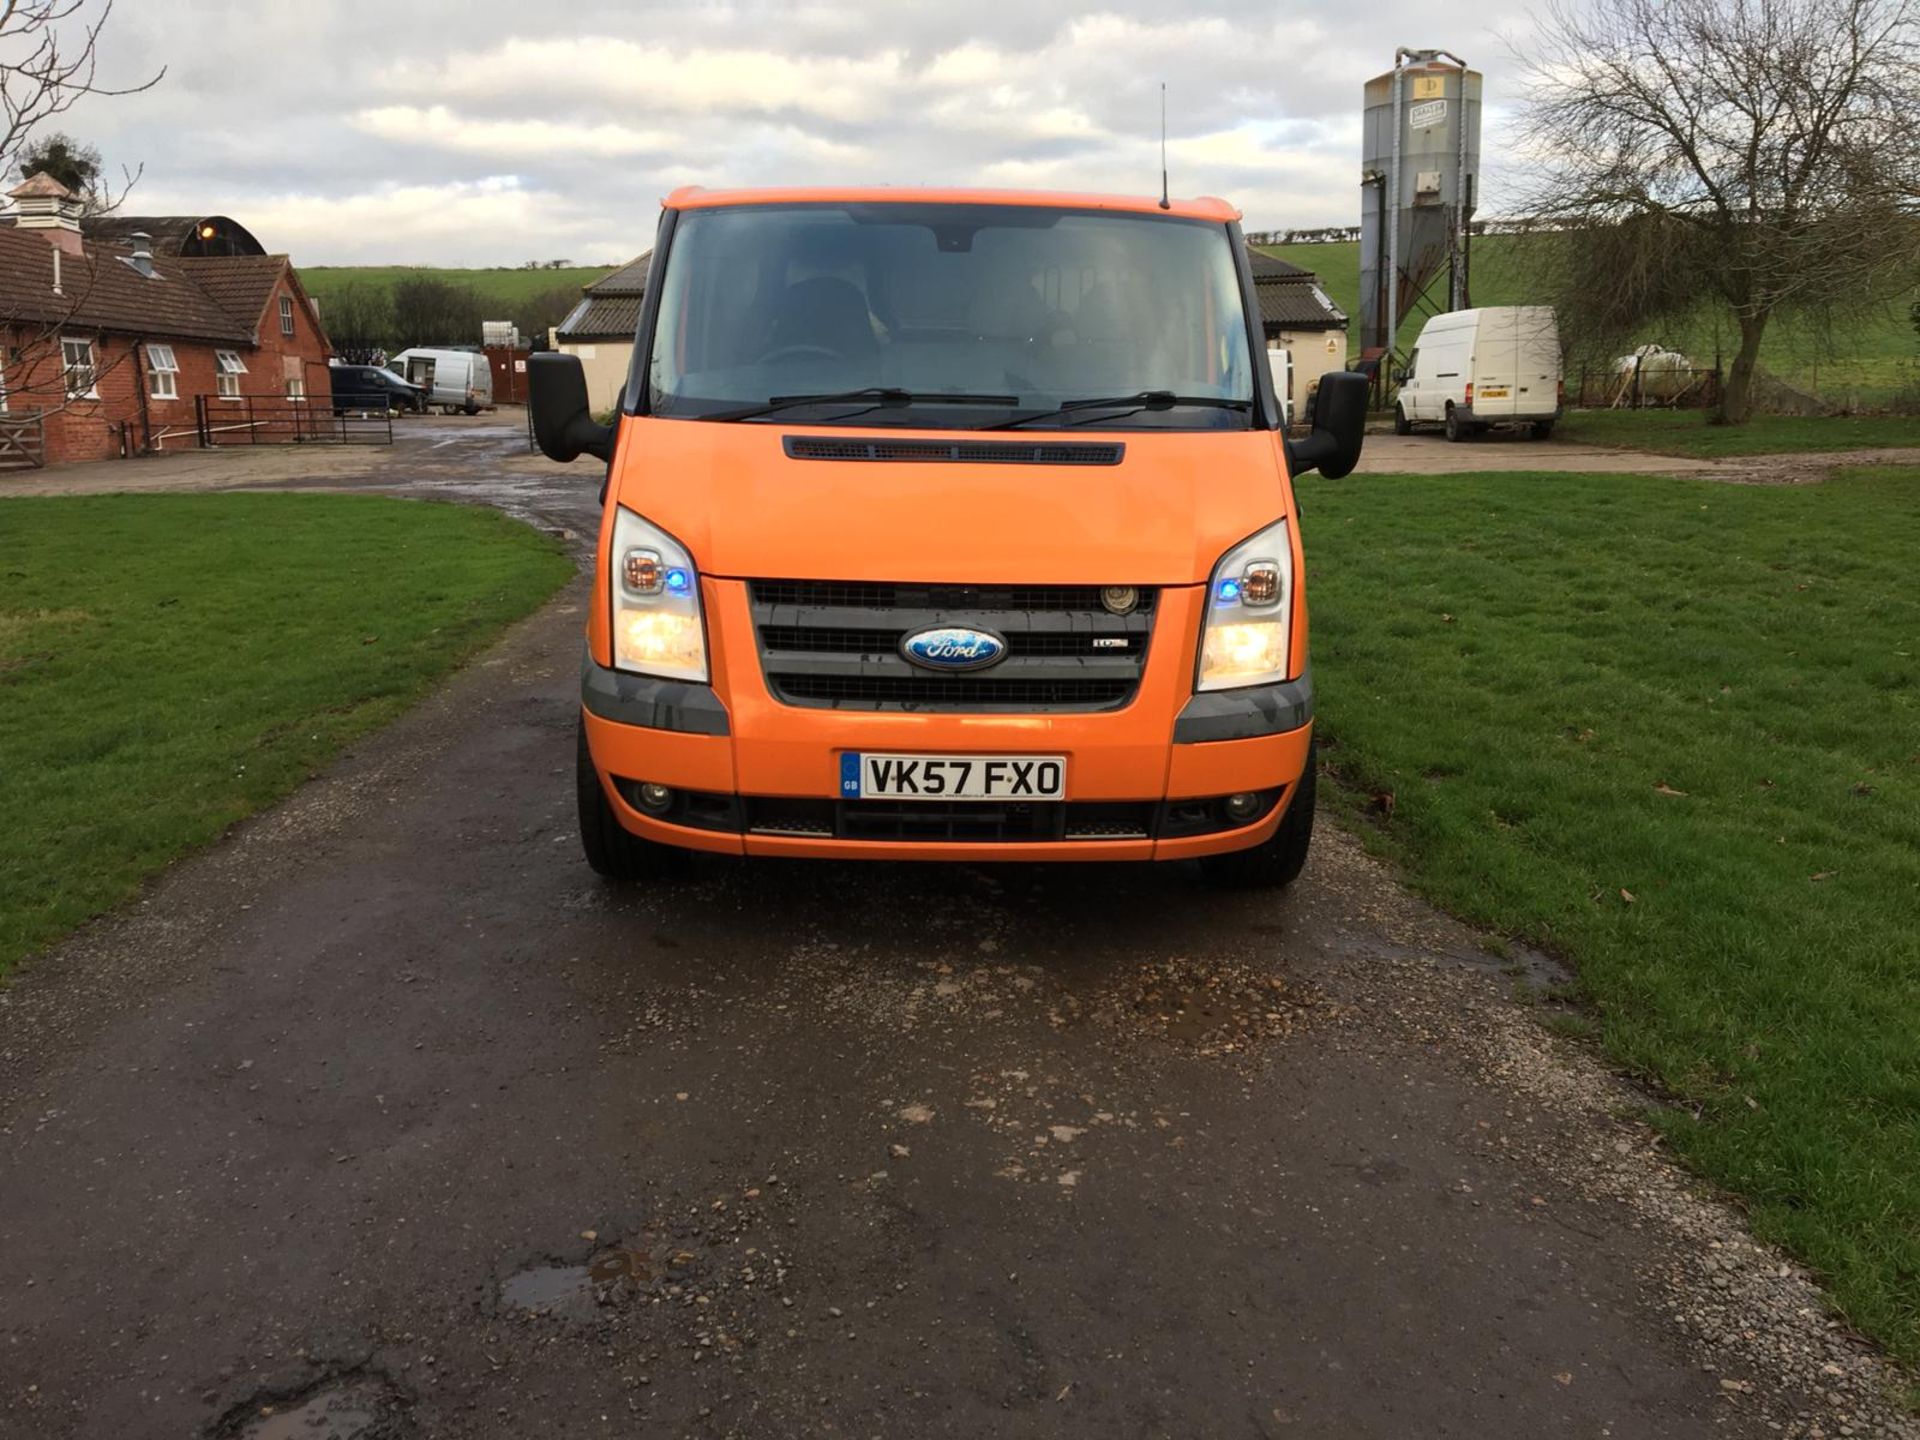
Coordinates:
563 425
1339 427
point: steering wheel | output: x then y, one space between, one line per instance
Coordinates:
801 352
1051 324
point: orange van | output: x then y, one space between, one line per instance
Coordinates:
947 525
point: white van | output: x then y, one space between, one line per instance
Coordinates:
1472 369
451 379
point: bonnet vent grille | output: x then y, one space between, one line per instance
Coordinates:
972 452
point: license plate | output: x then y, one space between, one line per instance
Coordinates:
1494 392
952 777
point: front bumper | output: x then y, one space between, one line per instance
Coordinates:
740 748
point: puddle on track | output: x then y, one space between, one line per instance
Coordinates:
577 1292
348 1410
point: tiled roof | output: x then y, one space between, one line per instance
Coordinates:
602 317
238 284
100 291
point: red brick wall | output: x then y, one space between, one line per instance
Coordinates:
78 429
307 347
92 429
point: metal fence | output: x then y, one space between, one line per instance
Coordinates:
277 420
1606 388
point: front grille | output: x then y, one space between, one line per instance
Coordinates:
836 644
987 821
974 822
976 452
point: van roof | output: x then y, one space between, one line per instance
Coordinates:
694 197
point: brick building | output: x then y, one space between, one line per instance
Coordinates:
107 345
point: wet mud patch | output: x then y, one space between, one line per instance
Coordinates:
615 1277
703 1284
351 1407
1199 1007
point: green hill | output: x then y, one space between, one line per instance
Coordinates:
507 288
1869 361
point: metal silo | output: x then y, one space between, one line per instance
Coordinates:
1419 175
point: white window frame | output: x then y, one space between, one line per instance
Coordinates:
297 389
91 365
163 372
286 315
229 367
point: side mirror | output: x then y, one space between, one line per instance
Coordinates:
1339 427
1400 377
563 426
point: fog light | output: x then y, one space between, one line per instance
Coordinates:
1119 599
655 797
1242 806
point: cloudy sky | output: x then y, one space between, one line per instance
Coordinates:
483 132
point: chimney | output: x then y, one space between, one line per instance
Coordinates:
142 252
43 203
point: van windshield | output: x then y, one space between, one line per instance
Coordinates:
951 316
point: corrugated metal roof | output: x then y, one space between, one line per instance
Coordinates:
1267 266
602 317
629 279
1297 304
172 234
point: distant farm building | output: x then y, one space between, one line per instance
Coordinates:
1296 316
111 336
601 328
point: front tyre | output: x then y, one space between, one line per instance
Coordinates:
1276 861
1401 424
611 849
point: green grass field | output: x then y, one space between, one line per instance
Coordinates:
1871 361
1687 432
507 288
1670 731
169 664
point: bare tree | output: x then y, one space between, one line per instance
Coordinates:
428 311
1755 154
360 323
49 60
536 314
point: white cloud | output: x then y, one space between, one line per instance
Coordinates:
355 147
416 224
690 81
443 128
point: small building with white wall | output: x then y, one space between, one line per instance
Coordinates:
1297 316
600 330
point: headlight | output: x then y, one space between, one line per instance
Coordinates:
1249 622
656 603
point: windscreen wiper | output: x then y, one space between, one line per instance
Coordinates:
1133 404
882 396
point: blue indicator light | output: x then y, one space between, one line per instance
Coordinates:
677 581
1229 593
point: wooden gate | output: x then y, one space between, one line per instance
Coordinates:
23 441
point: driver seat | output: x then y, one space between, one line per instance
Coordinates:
827 312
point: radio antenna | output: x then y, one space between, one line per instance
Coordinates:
1164 203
